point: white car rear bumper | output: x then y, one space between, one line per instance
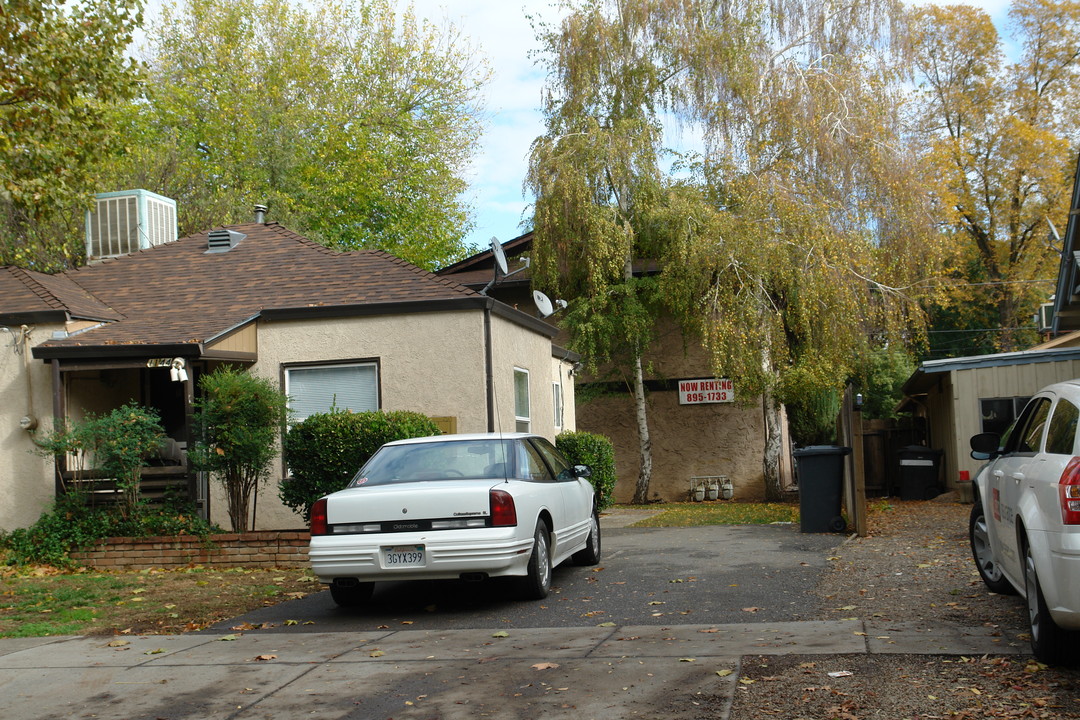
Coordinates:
448 554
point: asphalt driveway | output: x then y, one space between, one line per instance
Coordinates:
653 576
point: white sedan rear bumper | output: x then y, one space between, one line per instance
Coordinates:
448 554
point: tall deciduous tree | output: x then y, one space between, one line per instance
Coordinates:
354 124
61 69
787 240
1002 136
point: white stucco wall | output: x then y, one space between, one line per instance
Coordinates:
26 479
433 363
514 346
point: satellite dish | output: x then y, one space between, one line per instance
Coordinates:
542 303
500 256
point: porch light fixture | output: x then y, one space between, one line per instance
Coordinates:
177 371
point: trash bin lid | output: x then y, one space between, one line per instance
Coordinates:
821 450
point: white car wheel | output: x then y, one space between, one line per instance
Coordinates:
537 582
985 562
1049 643
590 554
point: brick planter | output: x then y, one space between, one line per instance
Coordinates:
265 549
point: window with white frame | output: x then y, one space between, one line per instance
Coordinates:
557 402
522 410
320 388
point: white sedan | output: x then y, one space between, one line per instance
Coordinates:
455 506
1025 524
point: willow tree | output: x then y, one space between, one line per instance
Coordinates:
1002 137
353 122
787 242
597 178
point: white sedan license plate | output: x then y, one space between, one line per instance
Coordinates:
404 556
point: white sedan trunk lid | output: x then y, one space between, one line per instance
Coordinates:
411 501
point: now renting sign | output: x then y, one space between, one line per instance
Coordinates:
706 390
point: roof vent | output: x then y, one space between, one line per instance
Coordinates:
220 241
260 214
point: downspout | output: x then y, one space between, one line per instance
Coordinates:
489 368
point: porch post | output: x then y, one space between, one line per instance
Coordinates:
59 412
189 437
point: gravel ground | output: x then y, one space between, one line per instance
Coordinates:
915 566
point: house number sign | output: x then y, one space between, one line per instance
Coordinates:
706 390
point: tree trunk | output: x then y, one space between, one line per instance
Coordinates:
770 464
641 491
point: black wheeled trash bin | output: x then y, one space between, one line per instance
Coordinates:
821 478
919 473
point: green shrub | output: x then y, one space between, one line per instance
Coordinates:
582 448
239 418
325 450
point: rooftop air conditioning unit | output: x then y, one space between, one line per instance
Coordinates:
127 221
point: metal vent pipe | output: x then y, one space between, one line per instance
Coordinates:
260 213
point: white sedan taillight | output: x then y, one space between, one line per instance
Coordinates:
503 511
318 518
1069 492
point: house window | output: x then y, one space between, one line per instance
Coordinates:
320 388
997 414
522 412
556 392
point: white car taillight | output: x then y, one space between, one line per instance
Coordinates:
1069 492
503 511
318 518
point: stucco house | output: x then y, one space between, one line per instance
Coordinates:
360 330
694 434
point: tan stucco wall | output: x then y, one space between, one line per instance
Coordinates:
433 363
26 480
687 441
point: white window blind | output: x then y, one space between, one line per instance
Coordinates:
344 387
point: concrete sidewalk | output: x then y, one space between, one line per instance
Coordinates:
573 672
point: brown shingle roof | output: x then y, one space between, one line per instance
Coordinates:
34 296
178 293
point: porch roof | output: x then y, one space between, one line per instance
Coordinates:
177 297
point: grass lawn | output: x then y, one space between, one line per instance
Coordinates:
717 513
44 601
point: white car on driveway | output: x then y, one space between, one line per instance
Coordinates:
1025 524
455 506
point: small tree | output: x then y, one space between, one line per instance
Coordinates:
239 418
116 443
326 449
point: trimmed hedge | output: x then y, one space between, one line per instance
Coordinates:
596 451
325 450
